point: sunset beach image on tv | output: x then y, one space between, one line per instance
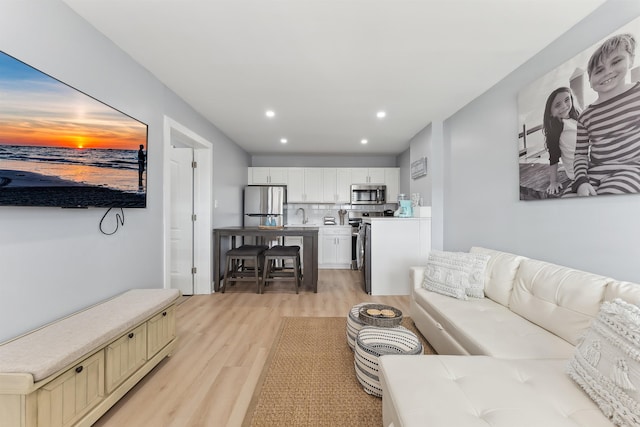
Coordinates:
61 147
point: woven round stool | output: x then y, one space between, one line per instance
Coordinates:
373 342
354 324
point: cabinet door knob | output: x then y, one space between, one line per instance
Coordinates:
130 335
79 369
164 313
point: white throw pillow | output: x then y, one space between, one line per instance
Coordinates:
606 363
456 274
476 265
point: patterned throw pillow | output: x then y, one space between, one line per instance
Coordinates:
606 363
456 274
476 265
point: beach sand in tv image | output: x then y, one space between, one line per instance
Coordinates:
60 147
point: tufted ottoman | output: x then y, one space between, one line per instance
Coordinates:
354 324
373 342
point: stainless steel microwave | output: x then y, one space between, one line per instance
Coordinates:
362 194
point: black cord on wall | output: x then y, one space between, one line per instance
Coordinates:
119 221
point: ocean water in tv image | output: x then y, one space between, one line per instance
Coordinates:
109 168
56 176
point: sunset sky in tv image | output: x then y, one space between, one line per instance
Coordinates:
36 109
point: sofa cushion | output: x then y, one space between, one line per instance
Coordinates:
627 291
560 299
500 274
444 391
484 327
607 362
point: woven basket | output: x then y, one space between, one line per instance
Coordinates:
382 321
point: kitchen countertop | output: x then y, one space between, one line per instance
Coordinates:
391 218
314 225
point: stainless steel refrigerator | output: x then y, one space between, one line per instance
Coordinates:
265 205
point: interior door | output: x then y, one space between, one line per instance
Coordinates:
182 219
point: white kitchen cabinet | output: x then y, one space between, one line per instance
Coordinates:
295 187
392 181
265 175
325 185
343 185
278 176
313 185
367 175
305 185
334 249
336 185
329 185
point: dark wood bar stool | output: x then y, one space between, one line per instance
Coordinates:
282 253
237 271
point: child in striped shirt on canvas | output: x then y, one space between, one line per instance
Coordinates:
607 157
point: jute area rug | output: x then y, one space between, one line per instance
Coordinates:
309 378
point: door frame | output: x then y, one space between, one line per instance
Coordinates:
176 133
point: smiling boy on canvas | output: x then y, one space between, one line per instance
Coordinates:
607 157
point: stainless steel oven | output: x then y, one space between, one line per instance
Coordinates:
362 243
362 194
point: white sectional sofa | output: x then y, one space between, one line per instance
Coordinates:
516 344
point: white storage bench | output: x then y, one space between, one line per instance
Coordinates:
70 372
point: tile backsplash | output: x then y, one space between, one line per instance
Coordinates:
316 212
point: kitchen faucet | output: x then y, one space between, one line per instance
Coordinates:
304 215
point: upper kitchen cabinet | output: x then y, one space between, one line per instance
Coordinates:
343 185
392 181
263 175
367 175
305 185
325 185
336 183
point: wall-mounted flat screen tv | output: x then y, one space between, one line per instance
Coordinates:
61 147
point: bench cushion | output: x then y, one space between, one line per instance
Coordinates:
53 347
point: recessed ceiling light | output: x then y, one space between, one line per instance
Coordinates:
270 113
283 140
364 141
381 114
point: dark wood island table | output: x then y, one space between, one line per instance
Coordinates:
309 245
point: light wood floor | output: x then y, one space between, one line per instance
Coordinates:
224 340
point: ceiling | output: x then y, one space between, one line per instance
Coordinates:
326 67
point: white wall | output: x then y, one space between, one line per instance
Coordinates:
481 200
55 261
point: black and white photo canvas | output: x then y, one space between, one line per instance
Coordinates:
579 124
